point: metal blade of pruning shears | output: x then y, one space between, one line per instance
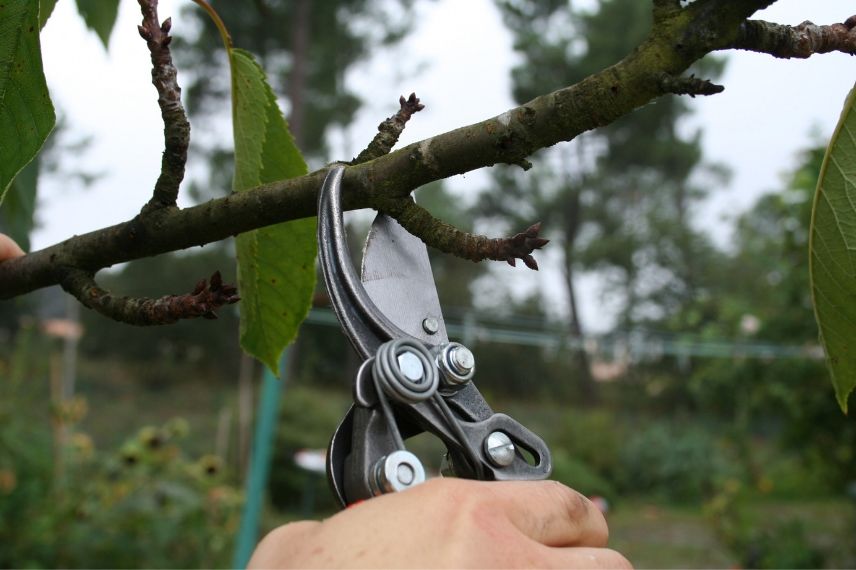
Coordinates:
396 273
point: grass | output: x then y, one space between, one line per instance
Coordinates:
653 535
663 536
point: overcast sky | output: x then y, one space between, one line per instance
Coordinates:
757 126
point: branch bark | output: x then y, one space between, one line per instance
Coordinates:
203 302
677 40
800 41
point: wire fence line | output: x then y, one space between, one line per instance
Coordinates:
629 345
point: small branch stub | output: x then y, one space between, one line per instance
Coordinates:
176 125
390 130
691 85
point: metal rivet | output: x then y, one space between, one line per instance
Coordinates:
405 474
430 325
500 449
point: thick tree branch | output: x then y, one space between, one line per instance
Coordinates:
663 9
176 127
449 239
205 299
800 41
675 43
389 130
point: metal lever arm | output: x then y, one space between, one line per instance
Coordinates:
365 326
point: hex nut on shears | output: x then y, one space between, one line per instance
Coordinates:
456 363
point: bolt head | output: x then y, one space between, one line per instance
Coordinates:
411 366
500 449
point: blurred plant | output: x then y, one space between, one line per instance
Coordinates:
147 505
776 544
681 463
767 278
593 437
581 477
307 420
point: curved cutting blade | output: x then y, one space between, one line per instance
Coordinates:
397 275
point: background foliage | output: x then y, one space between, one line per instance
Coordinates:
704 460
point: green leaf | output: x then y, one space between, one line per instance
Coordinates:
26 113
100 16
276 265
16 215
832 250
46 8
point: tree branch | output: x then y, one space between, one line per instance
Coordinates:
389 130
176 126
205 299
672 46
449 239
800 41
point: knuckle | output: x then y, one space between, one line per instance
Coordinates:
573 503
582 514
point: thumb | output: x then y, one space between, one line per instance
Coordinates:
8 248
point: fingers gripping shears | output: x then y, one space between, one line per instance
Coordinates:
412 378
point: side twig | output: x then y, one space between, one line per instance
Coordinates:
176 126
800 41
692 85
206 298
449 239
389 130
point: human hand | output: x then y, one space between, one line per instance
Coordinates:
8 248
451 523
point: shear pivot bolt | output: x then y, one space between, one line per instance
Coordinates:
499 449
410 366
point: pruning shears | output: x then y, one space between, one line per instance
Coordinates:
412 378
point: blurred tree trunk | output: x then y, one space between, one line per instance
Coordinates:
300 30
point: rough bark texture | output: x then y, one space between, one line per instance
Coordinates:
680 36
800 41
